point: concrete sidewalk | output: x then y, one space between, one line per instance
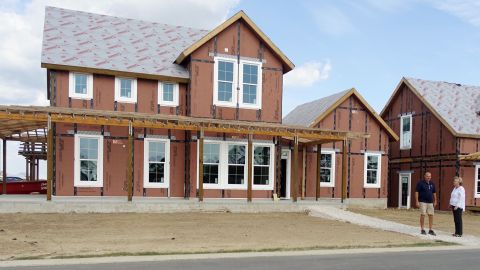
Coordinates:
335 213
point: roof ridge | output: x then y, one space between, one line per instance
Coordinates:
123 18
435 81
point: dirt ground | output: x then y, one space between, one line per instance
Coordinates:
441 221
27 236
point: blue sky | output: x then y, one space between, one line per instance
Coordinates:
370 44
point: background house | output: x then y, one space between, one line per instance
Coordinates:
438 123
367 160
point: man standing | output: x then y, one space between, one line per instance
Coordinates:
426 199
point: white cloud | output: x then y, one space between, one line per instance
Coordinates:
308 74
467 10
22 81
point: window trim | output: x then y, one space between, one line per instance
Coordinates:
477 179
118 98
76 161
402 146
258 104
71 86
217 102
333 169
162 102
146 146
223 166
271 171
379 170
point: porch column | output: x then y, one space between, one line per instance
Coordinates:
130 163
319 166
250 168
4 167
49 159
304 171
344 171
295 169
200 167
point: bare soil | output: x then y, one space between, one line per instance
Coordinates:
442 220
28 236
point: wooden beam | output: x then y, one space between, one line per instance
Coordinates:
130 164
319 166
4 167
304 171
295 169
344 171
250 168
49 161
200 167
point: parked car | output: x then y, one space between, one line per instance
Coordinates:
18 185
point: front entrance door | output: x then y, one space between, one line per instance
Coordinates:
285 174
404 190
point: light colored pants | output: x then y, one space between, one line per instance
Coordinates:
426 209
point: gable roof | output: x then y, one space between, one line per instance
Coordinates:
81 39
287 64
311 113
456 106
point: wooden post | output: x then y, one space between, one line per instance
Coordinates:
49 159
295 169
200 167
130 163
4 167
250 168
319 166
344 170
304 171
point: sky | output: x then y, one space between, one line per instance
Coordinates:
334 44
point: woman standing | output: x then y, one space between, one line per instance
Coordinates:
457 203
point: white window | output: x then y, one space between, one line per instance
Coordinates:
406 132
88 163
126 90
225 74
327 169
80 85
225 165
156 171
250 84
168 94
477 181
372 170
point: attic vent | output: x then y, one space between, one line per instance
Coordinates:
457 84
478 113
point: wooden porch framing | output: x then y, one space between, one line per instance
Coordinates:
17 119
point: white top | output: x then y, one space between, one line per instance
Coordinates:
458 197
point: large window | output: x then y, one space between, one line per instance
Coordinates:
168 94
225 74
225 165
157 163
80 85
250 87
126 90
327 169
211 163
88 165
477 181
236 164
406 132
372 170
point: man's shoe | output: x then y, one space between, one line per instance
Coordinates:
423 232
431 232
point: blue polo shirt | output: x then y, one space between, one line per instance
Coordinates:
425 191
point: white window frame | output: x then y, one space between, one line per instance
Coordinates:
271 171
166 175
76 178
379 171
332 170
118 98
403 145
217 102
71 86
223 166
477 179
258 104
162 102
